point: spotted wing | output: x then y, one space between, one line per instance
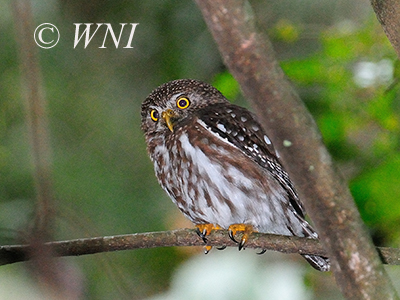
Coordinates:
239 127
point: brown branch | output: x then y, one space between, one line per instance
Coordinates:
175 238
36 118
49 275
388 14
250 58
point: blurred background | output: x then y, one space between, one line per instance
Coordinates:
334 52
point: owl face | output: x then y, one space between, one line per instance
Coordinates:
171 104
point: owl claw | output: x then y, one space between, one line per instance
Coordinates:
262 251
231 235
207 249
246 229
221 248
242 242
202 234
205 229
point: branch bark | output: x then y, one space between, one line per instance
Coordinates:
36 119
251 60
45 271
180 237
388 14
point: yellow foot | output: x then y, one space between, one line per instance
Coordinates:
205 229
207 249
245 228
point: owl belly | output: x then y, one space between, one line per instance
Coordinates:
207 182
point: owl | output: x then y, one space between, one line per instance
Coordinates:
219 166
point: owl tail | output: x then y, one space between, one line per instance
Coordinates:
318 262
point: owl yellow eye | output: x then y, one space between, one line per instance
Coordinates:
154 115
182 103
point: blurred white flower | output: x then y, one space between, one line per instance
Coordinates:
367 74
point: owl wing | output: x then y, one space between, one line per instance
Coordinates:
239 127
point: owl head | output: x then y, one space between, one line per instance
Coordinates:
169 105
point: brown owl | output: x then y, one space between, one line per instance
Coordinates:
218 165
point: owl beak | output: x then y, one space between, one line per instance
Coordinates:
168 115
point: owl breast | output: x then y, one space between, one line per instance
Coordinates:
205 177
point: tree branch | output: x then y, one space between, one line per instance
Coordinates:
36 120
180 237
45 271
251 60
388 14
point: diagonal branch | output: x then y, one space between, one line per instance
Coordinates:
180 237
388 14
249 56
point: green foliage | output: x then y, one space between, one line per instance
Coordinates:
377 191
358 119
227 85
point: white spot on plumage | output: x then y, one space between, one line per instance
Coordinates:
243 119
221 127
255 148
212 132
267 140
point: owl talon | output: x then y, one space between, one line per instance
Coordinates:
201 234
204 234
221 248
205 229
243 242
231 235
246 229
207 249
262 251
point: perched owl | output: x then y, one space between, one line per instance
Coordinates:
218 165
